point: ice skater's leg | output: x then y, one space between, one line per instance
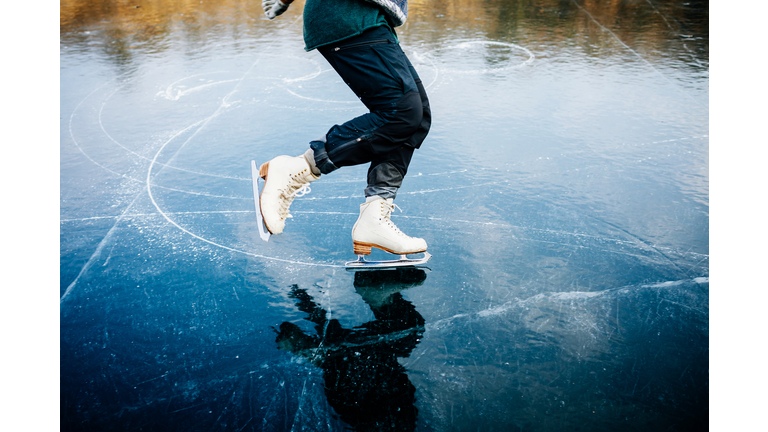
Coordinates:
385 175
387 171
425 123
386 137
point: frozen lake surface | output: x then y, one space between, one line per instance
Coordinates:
563 191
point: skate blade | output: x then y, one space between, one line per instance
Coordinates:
363 264
263 231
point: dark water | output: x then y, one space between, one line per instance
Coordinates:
563 191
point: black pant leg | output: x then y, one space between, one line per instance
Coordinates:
380 74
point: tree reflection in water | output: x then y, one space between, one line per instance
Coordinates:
364 382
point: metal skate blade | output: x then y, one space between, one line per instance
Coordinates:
263 232
362 264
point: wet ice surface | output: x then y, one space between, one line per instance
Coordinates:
563 192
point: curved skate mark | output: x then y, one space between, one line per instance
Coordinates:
101 124
147 159
71 134
560 296
225 101
168 94
74 141
181 93
310 76
125 176
635 53
418 56
468 44
167 91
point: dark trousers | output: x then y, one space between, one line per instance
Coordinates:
377 70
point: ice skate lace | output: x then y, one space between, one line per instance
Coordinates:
296 188
387 210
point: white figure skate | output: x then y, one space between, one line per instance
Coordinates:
285 178
374 228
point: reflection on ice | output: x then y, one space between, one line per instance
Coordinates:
364 382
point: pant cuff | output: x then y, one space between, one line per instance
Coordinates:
385 192
323 163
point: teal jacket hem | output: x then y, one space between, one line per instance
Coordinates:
306 48
332 21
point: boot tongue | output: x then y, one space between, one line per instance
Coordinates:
389 207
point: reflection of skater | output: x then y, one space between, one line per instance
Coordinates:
358 40
364 382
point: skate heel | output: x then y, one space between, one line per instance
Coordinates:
361 249
263 170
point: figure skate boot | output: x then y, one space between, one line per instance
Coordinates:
285 178
374 228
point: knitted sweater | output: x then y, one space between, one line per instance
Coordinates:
396 9
329 21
